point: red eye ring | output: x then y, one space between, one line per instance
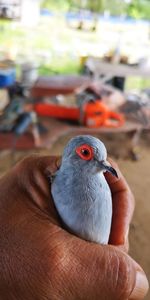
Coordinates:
85 152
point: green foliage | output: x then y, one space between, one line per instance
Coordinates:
58 5
65 66
54 46
116 7
135 9
94 5
139 9
135 83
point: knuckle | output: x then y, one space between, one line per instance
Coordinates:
122 277
56 253
60 259
25 161
26 171
23 165
56 269
29 161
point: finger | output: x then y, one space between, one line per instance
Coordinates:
41 162
34 179
93 271
123 207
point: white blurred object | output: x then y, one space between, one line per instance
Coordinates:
29 73
4 99
30 12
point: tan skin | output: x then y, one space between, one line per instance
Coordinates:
42 261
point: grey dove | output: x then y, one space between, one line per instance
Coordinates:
80 191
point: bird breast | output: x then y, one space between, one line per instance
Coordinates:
84 203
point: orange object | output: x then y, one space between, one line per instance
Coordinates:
92 114
96 114
57 111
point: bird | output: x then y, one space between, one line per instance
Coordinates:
80 192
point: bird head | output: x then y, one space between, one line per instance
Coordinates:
87 152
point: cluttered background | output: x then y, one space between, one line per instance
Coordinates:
79 67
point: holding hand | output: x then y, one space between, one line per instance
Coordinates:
40 260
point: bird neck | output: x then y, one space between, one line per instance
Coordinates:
79 171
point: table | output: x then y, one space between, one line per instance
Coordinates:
59 84
109 70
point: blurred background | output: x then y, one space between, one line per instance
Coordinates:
79 67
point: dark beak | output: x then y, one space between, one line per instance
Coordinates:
105 165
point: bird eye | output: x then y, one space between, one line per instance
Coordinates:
85 152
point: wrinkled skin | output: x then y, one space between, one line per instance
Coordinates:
40 260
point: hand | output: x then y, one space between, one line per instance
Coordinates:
40 260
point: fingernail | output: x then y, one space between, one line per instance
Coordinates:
141 287
58 162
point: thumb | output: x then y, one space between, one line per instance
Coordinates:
105 272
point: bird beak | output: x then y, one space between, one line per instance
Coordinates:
106 166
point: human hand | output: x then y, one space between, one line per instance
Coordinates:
40 260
